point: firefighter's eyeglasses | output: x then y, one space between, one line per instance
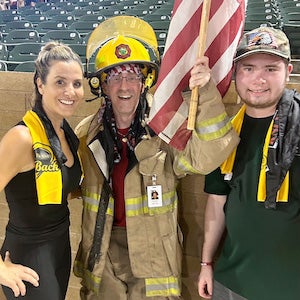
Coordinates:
130 79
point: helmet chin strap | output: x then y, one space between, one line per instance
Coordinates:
144 104
92 99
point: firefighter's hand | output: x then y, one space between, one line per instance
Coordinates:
200 73
12 275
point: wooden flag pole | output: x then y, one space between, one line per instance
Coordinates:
201 51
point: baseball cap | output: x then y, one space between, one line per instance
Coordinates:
264 40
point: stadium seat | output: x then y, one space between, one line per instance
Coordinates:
9 18
138 12
93 18
83 4
3 66
80 49
249 25
109 2
18 36
161 30
66 36
164 10
286 4
82 12
67 6
24 52
35 19
3 52
83 27
27 66
54 12
86 38
261 10
293 33
153 17
26 11
107 13
43 27
151 7
11 12
44 6
68 19
263 17
161 25
20 24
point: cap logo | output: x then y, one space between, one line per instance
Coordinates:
123 51
262 39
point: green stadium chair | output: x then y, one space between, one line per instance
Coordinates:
44 6
86 38
36 19
68 19
164 10
3 52
27 66
80 49
250 25
83 4
46 26
66 6
293 33
66 36
93 18
20 24
285 4
263 17
25 11
18 36
83 27
3 66
138 12
54 12
24 52
108 13
77 13
152 17
9 18
108 2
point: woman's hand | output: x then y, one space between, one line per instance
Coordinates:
12 275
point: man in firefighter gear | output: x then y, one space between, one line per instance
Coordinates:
131 242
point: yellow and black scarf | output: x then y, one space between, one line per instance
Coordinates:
47 171
285 130
49 157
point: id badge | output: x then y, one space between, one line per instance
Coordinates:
154 193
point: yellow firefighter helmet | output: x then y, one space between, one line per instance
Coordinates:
122 40
124 50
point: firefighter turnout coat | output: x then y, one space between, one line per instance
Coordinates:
154 238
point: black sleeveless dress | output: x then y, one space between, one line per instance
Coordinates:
37 236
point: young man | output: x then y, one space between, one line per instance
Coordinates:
131 243
255 194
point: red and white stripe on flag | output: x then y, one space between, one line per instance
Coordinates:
168 115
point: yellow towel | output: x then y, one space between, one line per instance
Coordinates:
47 172
227 166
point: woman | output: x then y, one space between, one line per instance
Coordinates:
39 166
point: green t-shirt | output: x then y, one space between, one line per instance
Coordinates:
260 259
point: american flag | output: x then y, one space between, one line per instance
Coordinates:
168 115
